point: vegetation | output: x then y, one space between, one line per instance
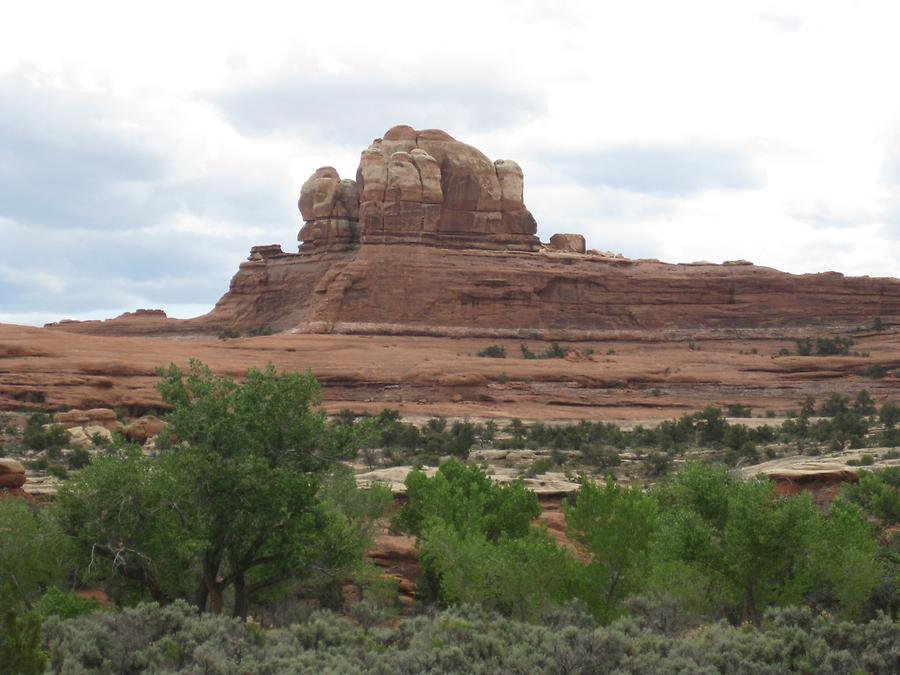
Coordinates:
493 351
825 346
247 510
238 504
655 638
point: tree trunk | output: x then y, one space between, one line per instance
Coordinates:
241 597
215 599
202 594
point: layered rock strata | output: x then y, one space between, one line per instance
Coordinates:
434 238
418 187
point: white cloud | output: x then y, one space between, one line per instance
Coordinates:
146 147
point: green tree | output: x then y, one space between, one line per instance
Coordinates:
520 577
721 547
615 525
34 552
236 498
20 637
467 500
458 515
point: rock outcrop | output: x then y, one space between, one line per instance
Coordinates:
567 243
432 237
418 187
96 417
330 208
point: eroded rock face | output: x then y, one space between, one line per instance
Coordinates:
418 187
330 207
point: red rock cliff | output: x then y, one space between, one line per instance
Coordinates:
433 237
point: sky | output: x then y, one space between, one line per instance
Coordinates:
145 147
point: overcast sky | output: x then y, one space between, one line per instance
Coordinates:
144 147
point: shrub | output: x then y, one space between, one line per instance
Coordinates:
554 351
229 334
659 637
50 439
493 352
20 636
526 352
876 371
65 605
835 405
739 410
78 458
833 346
540 466
658 464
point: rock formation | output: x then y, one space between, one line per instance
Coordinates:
96 417
418 187
568 243
432 237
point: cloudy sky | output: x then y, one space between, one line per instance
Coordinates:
145 147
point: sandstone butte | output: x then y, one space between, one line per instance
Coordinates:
433 238
431 241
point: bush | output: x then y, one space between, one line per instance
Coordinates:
78 458
20 636
51 439
833 346
804 347
493 352
835 405
660 637
526 352
65 605
554 351
739 410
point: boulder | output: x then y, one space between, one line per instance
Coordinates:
568 243
144 428
83 437
12 474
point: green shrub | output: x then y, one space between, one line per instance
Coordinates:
739 410
20 636
554 351
78 458
493 352
526 352
466 499
65 605
833 346
50 439
658 637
